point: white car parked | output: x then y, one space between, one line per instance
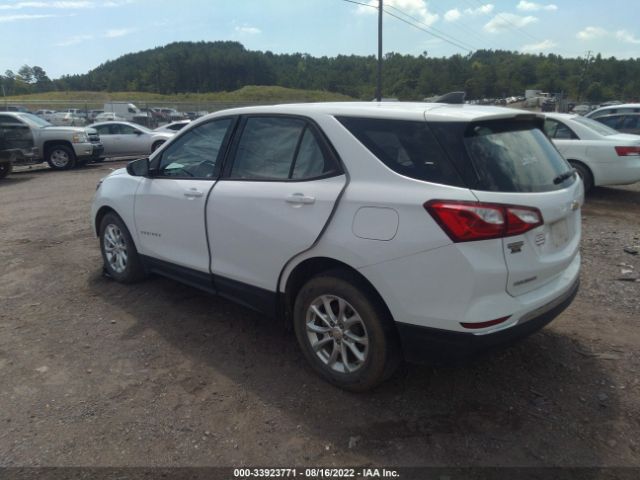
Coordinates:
601 155
378 231
108 117
121 139
66 119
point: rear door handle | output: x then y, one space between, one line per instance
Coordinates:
193 193
300 199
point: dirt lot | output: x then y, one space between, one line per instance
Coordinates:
97 373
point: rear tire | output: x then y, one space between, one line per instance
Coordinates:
5 169
119 253
585 175
61 157
156 146
344 332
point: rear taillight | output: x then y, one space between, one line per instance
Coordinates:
628 151
471 221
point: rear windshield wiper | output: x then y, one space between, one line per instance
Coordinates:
563 176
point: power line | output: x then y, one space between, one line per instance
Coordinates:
515 27
464 27
412 24
417 20
427 31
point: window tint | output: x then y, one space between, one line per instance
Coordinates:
407 147
630 122
280 148
9 120
103 129
310 161
196 153
127 129
510 158
612 121
267 148
558 130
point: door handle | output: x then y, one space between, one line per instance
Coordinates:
193 193
300 199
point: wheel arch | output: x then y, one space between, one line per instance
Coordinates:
52 143
101 213
314 266
586 166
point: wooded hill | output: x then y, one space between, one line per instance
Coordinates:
183 67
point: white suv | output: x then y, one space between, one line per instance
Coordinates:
379 231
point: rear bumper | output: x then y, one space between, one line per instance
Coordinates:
436 346
622 171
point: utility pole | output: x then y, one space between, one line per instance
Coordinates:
583 74
379 73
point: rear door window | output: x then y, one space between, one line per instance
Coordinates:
558 130
406 147
280 148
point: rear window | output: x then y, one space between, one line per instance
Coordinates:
514 157
406 147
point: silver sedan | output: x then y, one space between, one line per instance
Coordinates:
122 139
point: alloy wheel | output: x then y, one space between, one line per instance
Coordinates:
337 334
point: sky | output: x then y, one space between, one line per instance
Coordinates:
74 36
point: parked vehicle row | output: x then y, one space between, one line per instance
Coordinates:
27 139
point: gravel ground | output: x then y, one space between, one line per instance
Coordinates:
95 373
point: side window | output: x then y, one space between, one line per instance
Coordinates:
558 130
103 129
127 130
564 133
630 122
550 127
196 153
612 121
9 120
280 148
406 147
311 161
267 148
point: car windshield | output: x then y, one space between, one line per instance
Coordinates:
32 119
595 126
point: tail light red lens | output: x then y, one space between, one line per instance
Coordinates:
628 151
470 221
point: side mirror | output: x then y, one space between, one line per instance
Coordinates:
138 168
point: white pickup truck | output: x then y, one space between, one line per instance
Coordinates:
26 139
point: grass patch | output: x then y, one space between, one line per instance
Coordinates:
248 94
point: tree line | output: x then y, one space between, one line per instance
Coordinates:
191 67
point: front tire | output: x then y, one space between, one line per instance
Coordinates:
61 157
345 333
119 254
